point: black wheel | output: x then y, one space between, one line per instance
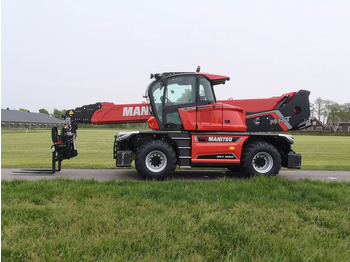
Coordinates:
155 159
261 158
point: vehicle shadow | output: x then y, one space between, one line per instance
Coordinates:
190 174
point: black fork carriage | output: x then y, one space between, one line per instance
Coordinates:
64 146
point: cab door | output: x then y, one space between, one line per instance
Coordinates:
180 92
209 113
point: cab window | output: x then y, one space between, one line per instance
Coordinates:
206 95
157 94
180 90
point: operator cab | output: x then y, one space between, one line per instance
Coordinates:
186 101
170 93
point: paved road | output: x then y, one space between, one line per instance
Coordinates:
194 174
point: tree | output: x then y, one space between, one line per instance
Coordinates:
58 113
320 109
185 97
312 110
334 115
44 111
338 113
23 109
346 112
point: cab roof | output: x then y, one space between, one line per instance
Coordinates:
214 79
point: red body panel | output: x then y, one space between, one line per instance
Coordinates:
217 148
209 117
233 118
188 117
213 117
258 105
152 123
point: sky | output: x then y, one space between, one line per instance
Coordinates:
68 53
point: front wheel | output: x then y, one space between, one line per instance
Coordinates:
261 158
155 159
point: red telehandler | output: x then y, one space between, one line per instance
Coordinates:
190 128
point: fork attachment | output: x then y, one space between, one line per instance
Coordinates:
64 146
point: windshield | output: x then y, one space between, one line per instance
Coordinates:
157 93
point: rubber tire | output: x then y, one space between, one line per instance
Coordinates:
260 147
155 145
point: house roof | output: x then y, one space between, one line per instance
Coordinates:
28 117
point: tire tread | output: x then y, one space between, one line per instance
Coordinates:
253 148
148 147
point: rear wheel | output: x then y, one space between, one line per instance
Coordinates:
155 159
261 158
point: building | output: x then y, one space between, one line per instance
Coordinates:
344 127
316 125
341 127
13 119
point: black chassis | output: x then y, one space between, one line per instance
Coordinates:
126 145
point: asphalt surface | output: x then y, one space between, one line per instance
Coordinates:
186 174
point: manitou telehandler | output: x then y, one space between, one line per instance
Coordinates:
191 129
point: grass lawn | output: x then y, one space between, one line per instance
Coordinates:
259 219
95 147
323 152
33 149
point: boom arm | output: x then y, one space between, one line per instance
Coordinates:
109 113
290 111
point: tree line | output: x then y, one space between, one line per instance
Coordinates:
329 112
56 112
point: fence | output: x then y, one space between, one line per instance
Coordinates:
20 125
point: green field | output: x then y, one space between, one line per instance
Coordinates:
33 149
95 146
324 152
259 219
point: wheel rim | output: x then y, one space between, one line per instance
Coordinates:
262 162
156 161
